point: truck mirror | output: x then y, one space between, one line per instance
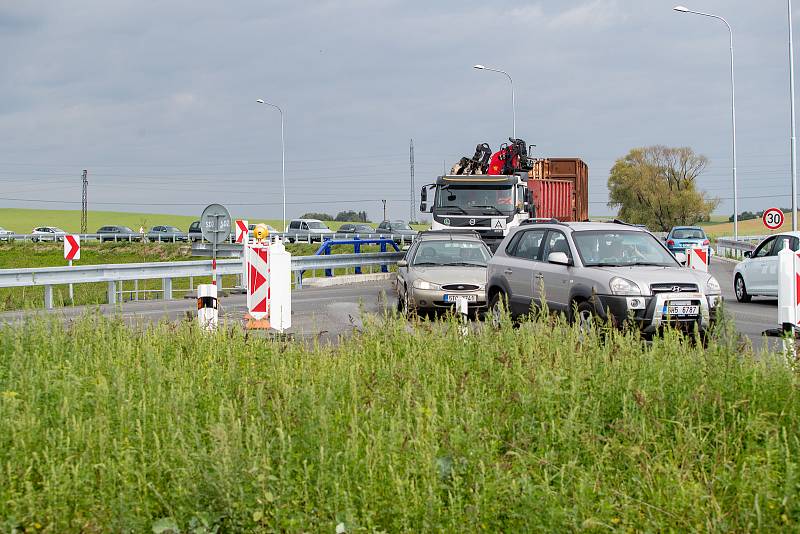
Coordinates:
423 207
423 196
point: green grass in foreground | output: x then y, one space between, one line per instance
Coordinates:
103 428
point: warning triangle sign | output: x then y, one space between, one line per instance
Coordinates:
498 225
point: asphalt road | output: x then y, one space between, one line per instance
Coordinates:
326 313
317 313
753 318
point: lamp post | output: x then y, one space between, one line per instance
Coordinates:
683 9
283 160
793 139
513 103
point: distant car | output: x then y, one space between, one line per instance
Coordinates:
307 230
6 235
682 237
195 234
440 269
117 233
757 274
166 233
351 228
399 229
47 233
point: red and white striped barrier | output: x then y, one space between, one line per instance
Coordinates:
269 287
258 281
697 258
788 288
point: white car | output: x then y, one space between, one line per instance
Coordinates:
757 274
5 235
47 233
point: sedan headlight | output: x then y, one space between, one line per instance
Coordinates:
712 286
424 284
623 286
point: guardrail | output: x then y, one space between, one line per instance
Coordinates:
730 248
131 238
113 274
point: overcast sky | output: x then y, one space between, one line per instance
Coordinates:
157 98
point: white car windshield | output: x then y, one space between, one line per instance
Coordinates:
314 225
456 253
600 248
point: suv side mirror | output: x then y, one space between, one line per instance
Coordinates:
402 263
681 257
559 258
748 253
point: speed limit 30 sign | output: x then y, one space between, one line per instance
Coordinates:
773 218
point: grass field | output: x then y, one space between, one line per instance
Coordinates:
535 428
24 220
748 227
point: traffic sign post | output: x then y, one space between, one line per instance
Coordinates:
72 251
215 224
773 218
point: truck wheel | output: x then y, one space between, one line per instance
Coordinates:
740 289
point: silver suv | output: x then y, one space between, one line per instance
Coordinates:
611 271
307 230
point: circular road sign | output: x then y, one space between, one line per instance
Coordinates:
215 223
773 218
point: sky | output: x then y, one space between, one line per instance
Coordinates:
157 99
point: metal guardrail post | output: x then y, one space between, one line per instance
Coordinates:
48 297
111 292
166 285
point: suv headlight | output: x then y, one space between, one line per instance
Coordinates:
712 286
424 284
623 286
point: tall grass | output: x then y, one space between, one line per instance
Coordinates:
103 428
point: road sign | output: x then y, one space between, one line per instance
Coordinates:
773 218
697 258
241 231
215 224
72 247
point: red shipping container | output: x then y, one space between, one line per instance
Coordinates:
553 199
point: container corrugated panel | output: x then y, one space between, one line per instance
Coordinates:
553 199
573 170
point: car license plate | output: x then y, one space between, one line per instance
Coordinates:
680 310
456 298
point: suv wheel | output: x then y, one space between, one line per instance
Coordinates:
498 308
585 316
740 289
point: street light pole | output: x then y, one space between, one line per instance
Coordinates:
283 160
683 9
793 139
513 99
384 209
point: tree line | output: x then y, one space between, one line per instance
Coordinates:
342 216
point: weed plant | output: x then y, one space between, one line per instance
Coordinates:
401 427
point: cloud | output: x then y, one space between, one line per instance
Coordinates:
590 15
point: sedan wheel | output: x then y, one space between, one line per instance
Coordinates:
740 289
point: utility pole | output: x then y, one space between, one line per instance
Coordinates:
384 209
84 203
411 198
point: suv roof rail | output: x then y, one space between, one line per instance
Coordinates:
543 220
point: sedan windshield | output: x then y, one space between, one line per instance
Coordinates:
471 199
400 226
621 248
457 253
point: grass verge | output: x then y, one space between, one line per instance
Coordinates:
104 428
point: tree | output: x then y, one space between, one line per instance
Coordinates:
320 216
656 186
348 216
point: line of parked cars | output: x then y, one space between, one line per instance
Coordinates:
585 270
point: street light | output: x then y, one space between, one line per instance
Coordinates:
684 9
513 103
792 140
283 160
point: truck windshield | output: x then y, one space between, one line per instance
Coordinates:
621 248
472 199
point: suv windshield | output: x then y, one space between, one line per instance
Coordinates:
688 233
475 199
610 248
442 253
315 225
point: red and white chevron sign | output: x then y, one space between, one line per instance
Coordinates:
697 259
241 231
72 247
258 281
